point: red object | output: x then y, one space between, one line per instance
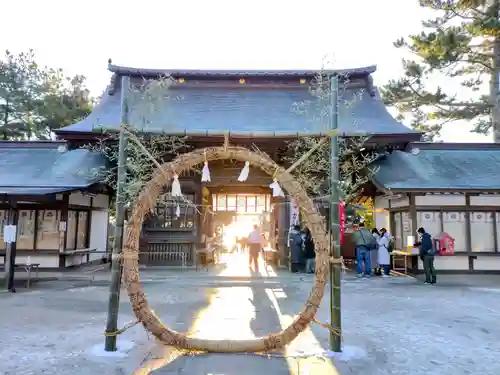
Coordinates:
444 244
342 221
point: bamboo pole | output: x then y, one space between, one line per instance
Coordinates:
116 263
335 266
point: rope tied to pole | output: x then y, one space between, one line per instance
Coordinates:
121 330
327 326
133 256
338 261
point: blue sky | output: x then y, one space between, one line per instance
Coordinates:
273 34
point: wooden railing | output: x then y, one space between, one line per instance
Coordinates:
171 254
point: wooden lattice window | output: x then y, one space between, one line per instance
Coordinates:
165 216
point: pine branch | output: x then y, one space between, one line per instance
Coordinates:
310 156
457 43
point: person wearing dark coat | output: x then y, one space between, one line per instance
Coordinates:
295 248
309 253
427 255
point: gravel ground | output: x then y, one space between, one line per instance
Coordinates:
391 326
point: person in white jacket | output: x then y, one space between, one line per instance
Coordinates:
384 257
254 248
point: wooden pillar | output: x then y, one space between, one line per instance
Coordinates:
63 230
35 228
495 232
199 213
392 221
413 214
89 223
88 229
468 235
413 227
282 235
208 228
10 255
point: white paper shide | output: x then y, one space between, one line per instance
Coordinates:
176 187
276 188
244 172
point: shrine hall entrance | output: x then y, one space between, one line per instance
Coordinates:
234 216
212 215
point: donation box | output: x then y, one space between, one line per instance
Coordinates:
444 244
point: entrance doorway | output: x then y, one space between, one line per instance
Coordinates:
234 218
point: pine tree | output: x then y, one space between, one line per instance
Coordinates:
19 89
36 100
462 43
64 101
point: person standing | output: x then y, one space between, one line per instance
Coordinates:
374 254
309 253
254 247
364 242
295 248
384 257
384 232
427 255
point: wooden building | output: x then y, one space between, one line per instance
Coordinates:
444 187
62 209
254 108
53 197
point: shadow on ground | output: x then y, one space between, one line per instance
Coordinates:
263 321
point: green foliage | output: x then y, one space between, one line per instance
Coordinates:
366 217
365 212
143 147
314 172
140 168
66 100
34 100
460 43
354 161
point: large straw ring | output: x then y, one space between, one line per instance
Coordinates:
146 201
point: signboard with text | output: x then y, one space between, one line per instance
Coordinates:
342 220
294 216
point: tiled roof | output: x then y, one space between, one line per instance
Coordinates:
249 112
45 170
441 169
219 73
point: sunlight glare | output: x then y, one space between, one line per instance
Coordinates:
241 227
306 365
228 315
231 312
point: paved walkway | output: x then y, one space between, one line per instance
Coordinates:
395 326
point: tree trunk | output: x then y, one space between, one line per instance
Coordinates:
495 83
6 122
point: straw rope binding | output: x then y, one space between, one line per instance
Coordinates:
162 177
